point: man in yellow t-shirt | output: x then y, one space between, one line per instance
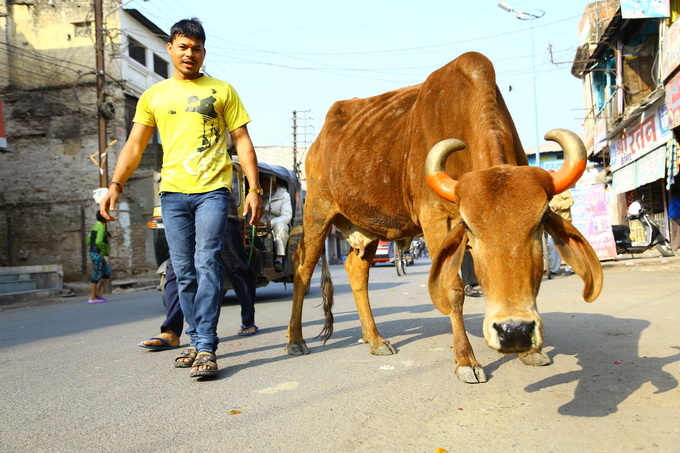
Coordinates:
193 114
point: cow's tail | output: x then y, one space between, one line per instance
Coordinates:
327 297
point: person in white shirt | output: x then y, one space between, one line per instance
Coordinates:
278 212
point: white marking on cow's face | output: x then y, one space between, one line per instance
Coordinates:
530 321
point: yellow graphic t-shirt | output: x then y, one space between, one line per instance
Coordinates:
193 118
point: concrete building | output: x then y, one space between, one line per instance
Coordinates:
49 93
628 60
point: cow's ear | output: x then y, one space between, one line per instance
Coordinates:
577 252
444 277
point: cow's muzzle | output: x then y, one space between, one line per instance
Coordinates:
516 337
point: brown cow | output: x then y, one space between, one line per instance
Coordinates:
365 175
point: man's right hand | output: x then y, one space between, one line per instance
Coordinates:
109 203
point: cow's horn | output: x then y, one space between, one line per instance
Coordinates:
435 165
574 158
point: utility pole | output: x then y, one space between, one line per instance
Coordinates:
531 17
101 83
296 165
296 161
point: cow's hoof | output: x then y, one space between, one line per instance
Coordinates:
384 348
471 375
535 359
299 348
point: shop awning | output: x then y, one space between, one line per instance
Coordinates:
642 171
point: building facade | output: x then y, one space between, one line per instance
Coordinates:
628 60
52 107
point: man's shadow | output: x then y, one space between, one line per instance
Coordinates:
607 352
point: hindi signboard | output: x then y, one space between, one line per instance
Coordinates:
645 134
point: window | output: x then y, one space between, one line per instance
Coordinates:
136 51
82 29
160 66
604 84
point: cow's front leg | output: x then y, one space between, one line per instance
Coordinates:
357 269
296 342
306 256
468 369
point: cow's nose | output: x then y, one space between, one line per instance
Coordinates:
515 336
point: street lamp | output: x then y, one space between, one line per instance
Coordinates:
530 17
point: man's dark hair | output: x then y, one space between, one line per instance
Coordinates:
189 28
100 217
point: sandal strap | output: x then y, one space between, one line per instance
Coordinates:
187 353
205 359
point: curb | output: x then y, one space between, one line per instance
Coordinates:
643 259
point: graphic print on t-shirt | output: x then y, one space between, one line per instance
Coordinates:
206 108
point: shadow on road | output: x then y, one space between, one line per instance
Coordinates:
605 347
607 352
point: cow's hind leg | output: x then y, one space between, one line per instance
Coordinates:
306 256
357 268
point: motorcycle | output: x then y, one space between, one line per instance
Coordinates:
653 235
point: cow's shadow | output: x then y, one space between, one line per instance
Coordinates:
607 351
606 348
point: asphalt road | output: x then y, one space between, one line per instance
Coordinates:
73 379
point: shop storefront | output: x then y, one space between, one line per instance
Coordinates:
638 156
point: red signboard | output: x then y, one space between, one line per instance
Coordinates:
673 101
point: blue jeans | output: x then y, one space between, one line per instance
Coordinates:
237 270
194 227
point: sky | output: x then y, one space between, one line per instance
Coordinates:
303 55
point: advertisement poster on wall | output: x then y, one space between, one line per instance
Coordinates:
590 215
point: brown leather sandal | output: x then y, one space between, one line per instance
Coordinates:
208 359
188 353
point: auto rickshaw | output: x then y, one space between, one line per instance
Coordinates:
258 239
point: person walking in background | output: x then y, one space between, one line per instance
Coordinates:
98 240
674 216
193 113
242 280
467 274
560 204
